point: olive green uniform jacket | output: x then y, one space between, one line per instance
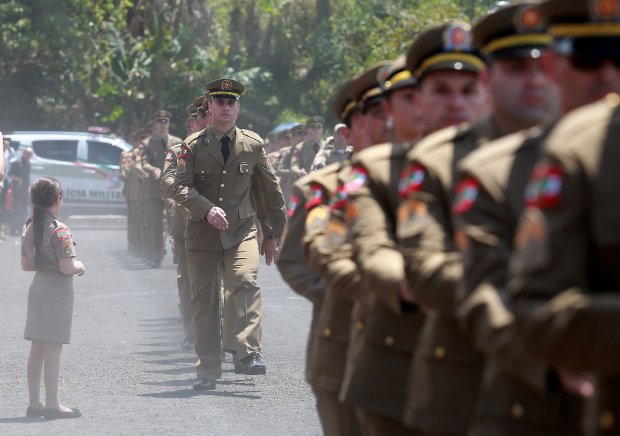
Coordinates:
446 371
490 197
566 270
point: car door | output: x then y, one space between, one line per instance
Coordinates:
103 183
57 157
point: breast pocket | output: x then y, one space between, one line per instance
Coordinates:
203 177
245 173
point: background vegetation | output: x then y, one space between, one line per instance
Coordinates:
68 64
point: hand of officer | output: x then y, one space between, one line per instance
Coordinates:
577 383
217 218
270 248
157 173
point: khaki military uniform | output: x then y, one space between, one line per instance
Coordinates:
385 330
489 202
446 371
309 200
566 273
127 163
180 216
153 156
287 178
332 329
141 202
302 156
204 180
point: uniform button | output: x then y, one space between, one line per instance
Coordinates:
606 420
389 340
224 172
221 199
440 352
327 331
359 326
202 172
222 185
516 411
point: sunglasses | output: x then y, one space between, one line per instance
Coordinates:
314 126
593 61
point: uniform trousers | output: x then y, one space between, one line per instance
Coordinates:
155 229
185 292
238 266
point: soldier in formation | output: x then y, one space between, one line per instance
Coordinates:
463 273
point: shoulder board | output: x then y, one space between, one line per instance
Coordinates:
195 136
250 134
438 138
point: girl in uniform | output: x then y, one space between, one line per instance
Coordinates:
48 249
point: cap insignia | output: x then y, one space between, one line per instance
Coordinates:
457 37
226 85
604 10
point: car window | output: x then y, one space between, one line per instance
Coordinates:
103 153
57 149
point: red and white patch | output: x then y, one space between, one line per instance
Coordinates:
411 180
465 195
545 187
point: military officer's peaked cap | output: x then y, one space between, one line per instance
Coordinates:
365 87
582 18
195 105
518 30
395 76
344 105
583 26
299 128
315 120
225 88
162 115
445 47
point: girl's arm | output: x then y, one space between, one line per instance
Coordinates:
70 266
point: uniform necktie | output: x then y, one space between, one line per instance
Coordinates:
225 141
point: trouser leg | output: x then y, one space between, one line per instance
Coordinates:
240 272
185 291
204 278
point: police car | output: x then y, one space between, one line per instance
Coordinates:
85 163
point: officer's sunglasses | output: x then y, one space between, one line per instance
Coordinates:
593 61
314 126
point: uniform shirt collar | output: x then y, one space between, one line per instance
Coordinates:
231 134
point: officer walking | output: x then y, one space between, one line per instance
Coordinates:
218 173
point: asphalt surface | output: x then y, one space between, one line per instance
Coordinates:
124 367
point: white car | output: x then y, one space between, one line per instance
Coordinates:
85 163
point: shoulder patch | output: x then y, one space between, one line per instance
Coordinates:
62 232
293 201
545 186
466 193
184 152
317 220
355 179
315 196
411 180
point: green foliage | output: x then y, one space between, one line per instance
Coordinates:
115 62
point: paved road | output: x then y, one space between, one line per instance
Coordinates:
124 367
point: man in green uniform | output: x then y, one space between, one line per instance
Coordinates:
446 69
219 170
153 156
489 202
303 153
325 361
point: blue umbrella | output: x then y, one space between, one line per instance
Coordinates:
283 126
